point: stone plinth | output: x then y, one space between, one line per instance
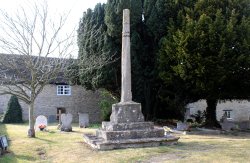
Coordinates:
126 112
127 129
130 134
109 126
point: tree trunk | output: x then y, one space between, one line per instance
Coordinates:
31 131
211 120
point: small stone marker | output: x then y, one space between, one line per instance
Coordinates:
182 126
226 124
83 120
59 119
41 120
66 120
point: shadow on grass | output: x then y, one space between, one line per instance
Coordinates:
46 140
51 132
8 157
228 135
25 158
79 132
194 146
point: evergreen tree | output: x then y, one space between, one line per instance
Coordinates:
13 113
209 52
109 76
145 35
94 44
167 100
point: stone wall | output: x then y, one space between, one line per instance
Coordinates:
48 101
240 109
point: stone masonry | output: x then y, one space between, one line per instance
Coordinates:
48 101
240 109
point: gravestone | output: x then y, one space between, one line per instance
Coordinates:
187 114
182 126
226 124
244 125
83 120
41 120
66 120
127 128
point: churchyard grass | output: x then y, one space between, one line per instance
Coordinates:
54 146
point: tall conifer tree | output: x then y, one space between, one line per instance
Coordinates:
13 112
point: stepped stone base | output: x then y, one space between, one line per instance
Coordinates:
130 134
109 126
99 143
127 129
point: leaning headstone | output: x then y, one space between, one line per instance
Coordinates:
83 120
244 125
182 126
227 125
66 122
41 122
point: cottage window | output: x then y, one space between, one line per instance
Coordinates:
63 90
228 114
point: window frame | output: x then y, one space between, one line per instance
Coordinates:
228 114
64 89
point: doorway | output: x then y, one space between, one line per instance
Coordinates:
63 110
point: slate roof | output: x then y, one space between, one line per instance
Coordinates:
8 71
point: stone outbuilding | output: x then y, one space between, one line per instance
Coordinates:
69 99
235 110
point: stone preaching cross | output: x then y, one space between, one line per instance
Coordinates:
127 128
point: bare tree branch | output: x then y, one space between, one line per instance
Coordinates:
31 41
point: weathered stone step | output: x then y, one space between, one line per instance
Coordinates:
130 134
129 143
109 126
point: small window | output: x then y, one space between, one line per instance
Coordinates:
63 90
228 114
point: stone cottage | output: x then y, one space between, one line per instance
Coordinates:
56 96
69 99
235 110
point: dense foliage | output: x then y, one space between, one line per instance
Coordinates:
13 113
210 51
106 104
181 51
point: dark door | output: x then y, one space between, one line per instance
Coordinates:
63 110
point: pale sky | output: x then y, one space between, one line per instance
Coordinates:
75 7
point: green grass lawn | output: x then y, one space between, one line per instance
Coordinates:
59 147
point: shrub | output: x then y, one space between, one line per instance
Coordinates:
199 116
106 104
13 113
